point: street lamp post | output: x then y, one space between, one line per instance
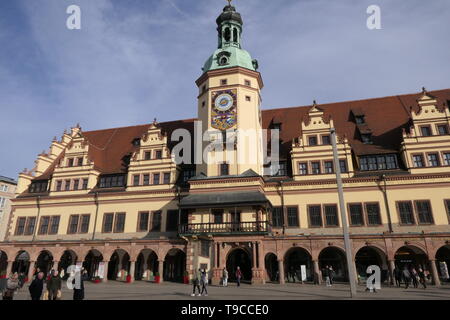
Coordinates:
348 247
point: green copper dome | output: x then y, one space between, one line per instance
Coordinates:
229 53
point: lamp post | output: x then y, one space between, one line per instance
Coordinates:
348 247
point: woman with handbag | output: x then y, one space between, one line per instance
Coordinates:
12 285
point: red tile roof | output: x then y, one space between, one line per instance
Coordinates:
386 117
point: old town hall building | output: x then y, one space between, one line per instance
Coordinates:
116 201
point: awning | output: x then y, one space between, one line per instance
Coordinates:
224 199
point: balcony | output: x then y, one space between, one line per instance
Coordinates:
226 228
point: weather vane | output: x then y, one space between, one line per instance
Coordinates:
229 2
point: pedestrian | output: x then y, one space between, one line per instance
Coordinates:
21 280
331 275
414 277
196 282
12 285
37 286
78 293
326 274
398 276
406 277
422 277
225 277
238 276
204 280
54 286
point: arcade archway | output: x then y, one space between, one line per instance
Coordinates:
146 264
3 263
368 256
241 258
443 263
293 260
118 265
334 257
411 256
174 265
271 264
68 258
92 262
21 263
45 261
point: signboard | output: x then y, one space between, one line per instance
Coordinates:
101 270
303 272
444 269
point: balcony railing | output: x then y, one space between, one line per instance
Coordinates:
251 227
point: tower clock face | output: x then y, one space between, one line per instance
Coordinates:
224 112
224 102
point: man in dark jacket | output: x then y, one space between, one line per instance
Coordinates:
54 285
36 287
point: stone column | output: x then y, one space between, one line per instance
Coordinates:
434 273
55 265
260 258
105 272
281 271
317 273
161 270
132 268
391 271
216 272
30 271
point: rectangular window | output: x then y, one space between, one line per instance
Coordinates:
326 140
54 225
315 216
85 184
84 226
343 166
2 202
442 129
30 225
303 168
312 141
172 220
76 184
43 227
282 169
166 178
331 216
156 221
446 157
112 181
223 82
292 217
359 119
147 155
356 214
391 162
58 185
328 167
447 207
424 212
406 212
315 167
156 177
248 98
277 217
143 221
381 163
364 163
73 224
108 222
80 161
67 185
119 223
224 169
158 154
418 161
373 214
248 83
426 131
187 174
136 179
433 160
20 228
146 179
204 248
218 216
70 162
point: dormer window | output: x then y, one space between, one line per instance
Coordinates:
147 155
158 154
312 140
425 131
326 140
70 162
80 161
276 126
442 129
136 142
366 138
360 119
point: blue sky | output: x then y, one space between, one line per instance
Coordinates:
134 60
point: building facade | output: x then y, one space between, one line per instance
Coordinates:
7 192
119 202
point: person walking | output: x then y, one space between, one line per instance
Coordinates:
326 274
414 277
54 286
78 293
398 276
422 277
196 282
37 286
406 277
225 277
12 285
238 276
204 280
331 275
21 280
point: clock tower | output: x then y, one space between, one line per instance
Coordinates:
229 104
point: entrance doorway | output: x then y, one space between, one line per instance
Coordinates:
119 263
174 265
92 262
21 263
335 258
3 263
443 263
368 256
294 259
239 257
271 265
411 256
45 262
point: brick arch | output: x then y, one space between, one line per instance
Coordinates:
230 249
376 246
36 252
285 252
319 250
435 249
164 250
418 245
138 249
82 252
